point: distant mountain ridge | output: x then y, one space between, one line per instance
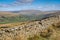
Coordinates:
30 12
35 12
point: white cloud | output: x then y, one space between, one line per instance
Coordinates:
22 2
25 1
48 7
17 3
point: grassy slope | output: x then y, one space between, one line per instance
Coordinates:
53 34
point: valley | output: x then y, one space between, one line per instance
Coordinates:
30 27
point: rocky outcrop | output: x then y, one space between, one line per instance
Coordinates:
37 27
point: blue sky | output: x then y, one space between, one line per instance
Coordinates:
16 5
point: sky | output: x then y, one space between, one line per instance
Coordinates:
16 5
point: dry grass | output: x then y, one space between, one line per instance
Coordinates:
8 14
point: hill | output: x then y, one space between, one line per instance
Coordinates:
30 27
45 29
